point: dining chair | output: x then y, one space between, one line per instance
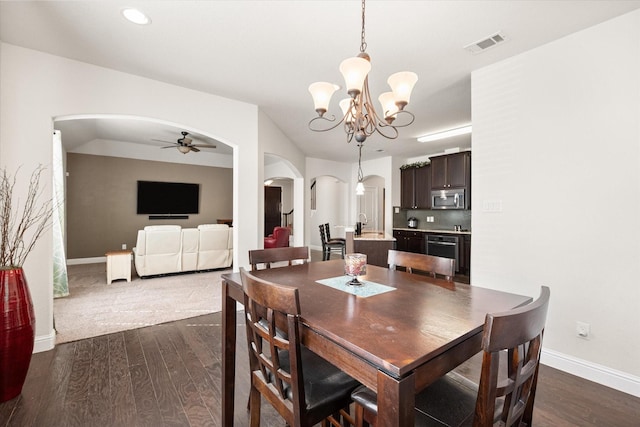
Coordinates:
433 265
303 387
506 392
268 257
331 246
327 230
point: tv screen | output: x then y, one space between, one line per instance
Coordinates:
167 198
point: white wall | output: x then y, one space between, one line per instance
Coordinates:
340 210
274 142
36 88
556 140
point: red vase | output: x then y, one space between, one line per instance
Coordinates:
17 332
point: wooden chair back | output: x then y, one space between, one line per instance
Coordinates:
433 265
280 364
267 257
323 234
272 312
519 332
327 232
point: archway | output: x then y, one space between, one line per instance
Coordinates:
283 174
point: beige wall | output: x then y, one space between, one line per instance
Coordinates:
101 200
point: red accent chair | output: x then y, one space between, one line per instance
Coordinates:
278 239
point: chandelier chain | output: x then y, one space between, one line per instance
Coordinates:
363 44
360 176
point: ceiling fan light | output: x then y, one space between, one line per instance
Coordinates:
354 70
322 93
402 84
184 149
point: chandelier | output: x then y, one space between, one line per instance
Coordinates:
360 118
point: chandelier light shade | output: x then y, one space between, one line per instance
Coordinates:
355 70
321 93
360 119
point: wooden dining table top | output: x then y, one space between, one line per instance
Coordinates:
396 331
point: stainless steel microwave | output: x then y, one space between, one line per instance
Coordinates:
448 199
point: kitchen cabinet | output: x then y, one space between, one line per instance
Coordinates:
451 171
465 255
415 185
409 241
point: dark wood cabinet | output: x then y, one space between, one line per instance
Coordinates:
465 254
377 251
451 171
409 241
415 184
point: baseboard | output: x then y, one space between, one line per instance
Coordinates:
44 342
618 380
94 260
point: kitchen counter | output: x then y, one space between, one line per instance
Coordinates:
375 245
375 236
434 230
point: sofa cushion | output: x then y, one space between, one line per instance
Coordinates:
162 228
190 241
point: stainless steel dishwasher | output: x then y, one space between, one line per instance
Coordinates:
444 246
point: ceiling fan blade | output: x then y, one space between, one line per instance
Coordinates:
193 148
203 145
169 146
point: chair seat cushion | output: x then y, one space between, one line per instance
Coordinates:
324 384
448 402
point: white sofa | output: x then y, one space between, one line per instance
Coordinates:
162 249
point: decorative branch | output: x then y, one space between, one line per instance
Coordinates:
22 227
415 165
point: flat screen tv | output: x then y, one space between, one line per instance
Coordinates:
168 198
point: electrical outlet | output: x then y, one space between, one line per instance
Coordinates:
124 246
583 330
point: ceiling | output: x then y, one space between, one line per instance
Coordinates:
268 52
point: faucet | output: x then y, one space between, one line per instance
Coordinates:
362 214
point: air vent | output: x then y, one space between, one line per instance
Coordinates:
486 43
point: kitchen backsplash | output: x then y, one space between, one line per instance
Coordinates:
442 219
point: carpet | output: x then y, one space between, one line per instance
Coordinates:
94 308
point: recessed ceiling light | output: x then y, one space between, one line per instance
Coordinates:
135 16
445 134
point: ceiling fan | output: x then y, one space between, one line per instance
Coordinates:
184 144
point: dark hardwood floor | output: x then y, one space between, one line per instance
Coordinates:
169 375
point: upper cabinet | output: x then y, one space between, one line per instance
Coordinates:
451 171
415 183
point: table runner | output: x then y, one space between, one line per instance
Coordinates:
365 290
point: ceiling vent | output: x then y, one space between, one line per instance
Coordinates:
486 43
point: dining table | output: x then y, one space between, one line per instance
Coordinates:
396 333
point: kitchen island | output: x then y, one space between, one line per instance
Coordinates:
374 244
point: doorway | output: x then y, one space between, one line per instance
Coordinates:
272 208
371 205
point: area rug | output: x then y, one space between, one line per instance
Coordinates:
95 308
